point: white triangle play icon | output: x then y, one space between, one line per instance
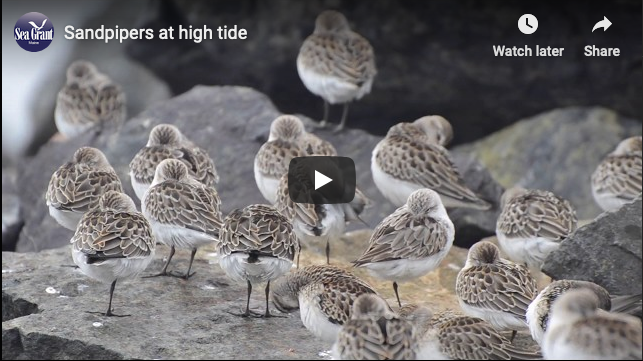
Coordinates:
321 180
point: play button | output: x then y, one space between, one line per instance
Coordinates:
321 180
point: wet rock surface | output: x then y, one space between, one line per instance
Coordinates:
45 304
170 318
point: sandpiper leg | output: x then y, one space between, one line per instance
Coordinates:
187 275
342 123
167 263
267 314
396 294
248 300
324 122
109 312
111 296
247 313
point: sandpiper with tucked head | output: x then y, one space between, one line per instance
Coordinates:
336 63
257 245
271 162
374 332
87 100
494 289
617 179
113 242
578 330
324 295
167 142
532 224
75 188
183 212
408 159
436 128
411 242
450 335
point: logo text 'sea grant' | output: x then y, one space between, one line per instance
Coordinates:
33 32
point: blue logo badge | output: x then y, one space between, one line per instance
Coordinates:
33 32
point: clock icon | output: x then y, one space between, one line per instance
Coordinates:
527 24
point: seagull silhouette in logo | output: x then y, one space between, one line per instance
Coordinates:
36 26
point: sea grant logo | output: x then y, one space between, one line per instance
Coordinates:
33 32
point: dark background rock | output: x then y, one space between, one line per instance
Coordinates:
472 225
433 57
606 251
556 151
231 123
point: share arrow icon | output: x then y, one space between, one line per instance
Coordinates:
605 23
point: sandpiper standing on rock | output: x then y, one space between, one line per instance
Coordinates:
315 146
411 242
257 245
113 242
183 212
311 222
578 330
271 162
336 63
539 311
450 335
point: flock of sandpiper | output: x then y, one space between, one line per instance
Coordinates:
175 181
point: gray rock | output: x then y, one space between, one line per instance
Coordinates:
427 63
231 123
556 151
473 225
44 304
606 251
170 318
